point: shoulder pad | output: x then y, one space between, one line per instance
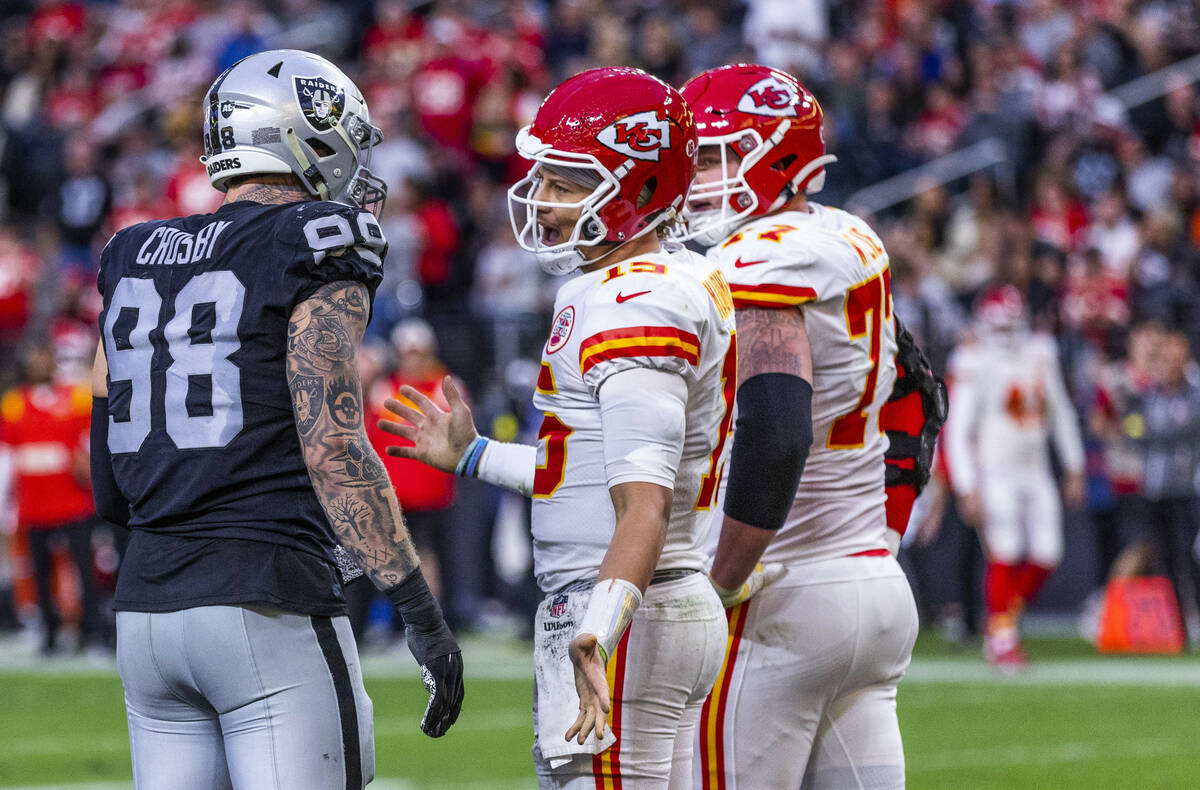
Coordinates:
332 241
328 229
765 269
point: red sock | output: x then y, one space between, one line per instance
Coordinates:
1030 578
999 587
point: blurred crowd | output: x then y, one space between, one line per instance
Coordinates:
1094 216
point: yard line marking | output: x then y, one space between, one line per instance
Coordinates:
1100 671
516 719
1055 754
48 745
80 786
380 783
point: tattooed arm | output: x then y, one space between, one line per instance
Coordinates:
347 475
774 431
353 487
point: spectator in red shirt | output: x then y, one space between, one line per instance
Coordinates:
425 494
45 426
1056 216
1096 302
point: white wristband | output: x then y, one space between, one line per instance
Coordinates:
508 465
609 611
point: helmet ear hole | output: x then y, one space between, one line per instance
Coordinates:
784 163
320 148
646 194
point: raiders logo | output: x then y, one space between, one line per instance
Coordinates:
560 331
641 135
309 398
770 96
321 101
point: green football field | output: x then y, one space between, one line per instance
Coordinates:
1075 720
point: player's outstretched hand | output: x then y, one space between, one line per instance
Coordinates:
439 437
760 577
592 686
443 678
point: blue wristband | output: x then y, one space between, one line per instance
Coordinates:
468 465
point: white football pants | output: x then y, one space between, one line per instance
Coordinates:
1022 518
658 677
807 695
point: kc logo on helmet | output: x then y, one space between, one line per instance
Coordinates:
769 96
321 101
641 135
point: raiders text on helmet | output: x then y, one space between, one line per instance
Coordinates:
287 111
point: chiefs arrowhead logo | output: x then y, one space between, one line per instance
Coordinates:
770 96
641 135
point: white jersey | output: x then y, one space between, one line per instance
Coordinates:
833 265
668 311
1005 399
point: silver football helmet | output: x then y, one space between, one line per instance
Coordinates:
287 111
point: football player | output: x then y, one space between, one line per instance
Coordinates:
228 436
636 384
1009 398
808 691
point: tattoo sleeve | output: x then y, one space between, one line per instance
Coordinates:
347 475
772 341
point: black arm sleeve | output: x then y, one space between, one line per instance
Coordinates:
111 505
770 446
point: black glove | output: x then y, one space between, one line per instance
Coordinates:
435 649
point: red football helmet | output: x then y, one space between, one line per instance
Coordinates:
1001 309
632 132
771 124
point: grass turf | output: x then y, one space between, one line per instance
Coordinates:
1077 721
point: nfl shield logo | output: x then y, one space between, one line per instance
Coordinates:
558 607
321 101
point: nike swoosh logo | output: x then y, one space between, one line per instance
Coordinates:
739 263
623 298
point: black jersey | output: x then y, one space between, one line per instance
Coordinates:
201 424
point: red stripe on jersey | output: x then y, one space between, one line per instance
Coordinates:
545 380
638 341
639 331
773 293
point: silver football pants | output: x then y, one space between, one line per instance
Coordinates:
235 698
